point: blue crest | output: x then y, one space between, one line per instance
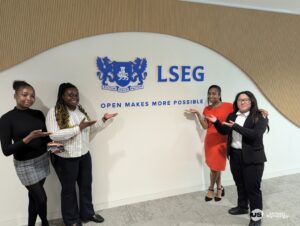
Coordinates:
121 76
122 72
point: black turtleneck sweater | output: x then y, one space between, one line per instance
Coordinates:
17 124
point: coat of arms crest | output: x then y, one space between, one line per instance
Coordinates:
122 76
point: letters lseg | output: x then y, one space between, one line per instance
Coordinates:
180 74
129 76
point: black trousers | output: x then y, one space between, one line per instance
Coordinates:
71 171
247 178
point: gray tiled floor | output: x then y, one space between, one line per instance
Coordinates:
281 198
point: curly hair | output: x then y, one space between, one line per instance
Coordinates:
61 112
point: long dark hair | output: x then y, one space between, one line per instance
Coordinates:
255 113
61 111
18 84
218 88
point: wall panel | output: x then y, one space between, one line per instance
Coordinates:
263 44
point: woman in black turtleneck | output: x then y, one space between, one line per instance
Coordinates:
23 135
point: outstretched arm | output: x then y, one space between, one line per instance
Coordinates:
58 134
105 121
222 128
8 146
200 118
255 132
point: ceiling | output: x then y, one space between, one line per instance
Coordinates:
282 6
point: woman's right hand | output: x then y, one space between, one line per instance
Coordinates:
84 124
199 117
194 111
35 134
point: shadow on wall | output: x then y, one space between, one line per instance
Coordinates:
39 105
200 156
52 185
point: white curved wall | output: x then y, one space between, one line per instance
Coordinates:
148 152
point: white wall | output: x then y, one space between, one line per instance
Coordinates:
148 152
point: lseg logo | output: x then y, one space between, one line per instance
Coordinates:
130 75
183 73
122 76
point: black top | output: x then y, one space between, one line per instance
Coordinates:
17 124
252 137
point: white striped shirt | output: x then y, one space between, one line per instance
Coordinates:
76 142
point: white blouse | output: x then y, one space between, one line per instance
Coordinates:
237 137
76 142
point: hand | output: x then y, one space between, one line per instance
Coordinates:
229 124
35 134
264 113
84 124
194 111
211 118
107 116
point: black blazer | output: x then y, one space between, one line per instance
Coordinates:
252 137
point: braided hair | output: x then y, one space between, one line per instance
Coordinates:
61 112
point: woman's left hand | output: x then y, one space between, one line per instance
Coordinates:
229 124
107 116
264 113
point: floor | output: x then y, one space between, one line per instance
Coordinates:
281 197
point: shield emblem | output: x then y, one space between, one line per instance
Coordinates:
122 73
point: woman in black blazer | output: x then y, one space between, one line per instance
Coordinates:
245 128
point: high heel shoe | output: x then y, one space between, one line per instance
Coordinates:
209 198
217 199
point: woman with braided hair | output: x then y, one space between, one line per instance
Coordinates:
70 125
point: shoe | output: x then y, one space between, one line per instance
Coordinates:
217 199
96 218
209 198
223 191
255 223
237 211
